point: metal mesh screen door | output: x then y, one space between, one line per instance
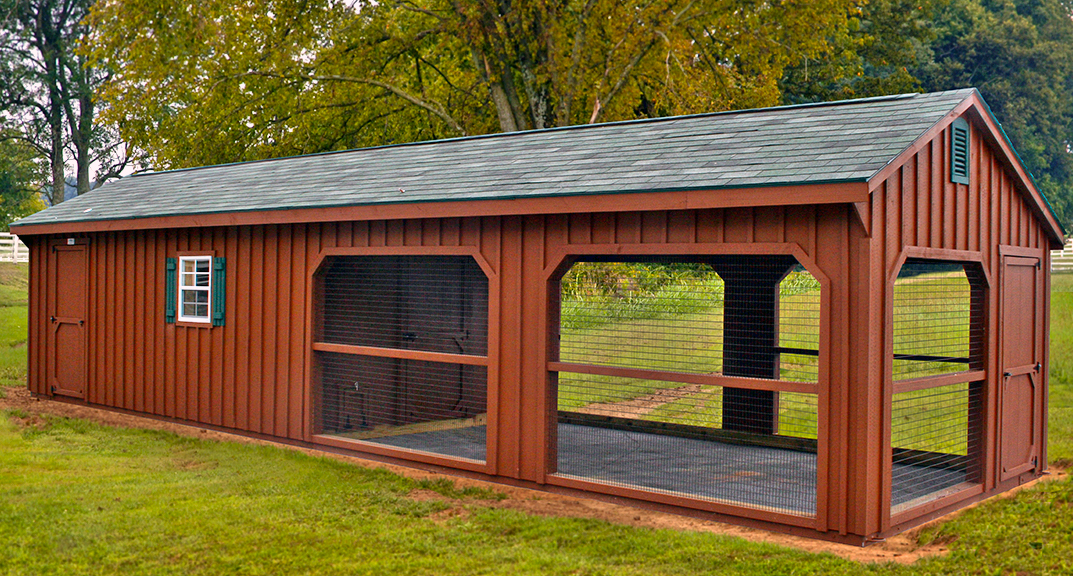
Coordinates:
402 352
937 409
692 377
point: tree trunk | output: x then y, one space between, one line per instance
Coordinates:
84 137
55 124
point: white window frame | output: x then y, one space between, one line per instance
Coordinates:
207 289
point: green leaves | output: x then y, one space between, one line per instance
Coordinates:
1020 55
204 83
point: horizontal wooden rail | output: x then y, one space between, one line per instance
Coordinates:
686 378
925 382
401 354
926 358
800 351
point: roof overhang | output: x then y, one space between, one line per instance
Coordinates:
775 195
979 115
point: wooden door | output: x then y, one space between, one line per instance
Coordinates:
67 288
1020 393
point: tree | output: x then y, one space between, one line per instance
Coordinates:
20 177
210 82
884 44
1020 55
48 90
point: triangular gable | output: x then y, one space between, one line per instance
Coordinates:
979 115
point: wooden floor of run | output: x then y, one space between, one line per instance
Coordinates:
902 548
759 477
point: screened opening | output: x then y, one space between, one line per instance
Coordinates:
402 347
938 319
937 441
691 376
939 335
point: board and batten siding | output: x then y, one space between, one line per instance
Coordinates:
917 205
251 374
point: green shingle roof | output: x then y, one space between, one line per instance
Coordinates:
847 141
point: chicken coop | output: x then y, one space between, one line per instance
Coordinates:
825 319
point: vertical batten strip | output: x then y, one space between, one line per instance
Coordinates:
257 289
298 277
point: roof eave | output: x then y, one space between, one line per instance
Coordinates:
837 192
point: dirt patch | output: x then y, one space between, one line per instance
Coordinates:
643 405
902 548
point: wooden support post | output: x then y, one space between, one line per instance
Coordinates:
750 337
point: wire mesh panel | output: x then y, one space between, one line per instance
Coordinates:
401 347
671 315
936 440
430 303
938 319
427 406
679 431
939 330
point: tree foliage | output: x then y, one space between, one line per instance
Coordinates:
220 81
210 82
47 91
20 172
1019 53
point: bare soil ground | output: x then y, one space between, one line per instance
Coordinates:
901 548
643 405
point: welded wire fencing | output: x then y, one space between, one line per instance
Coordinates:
402 353
938 319
936 428
644 352
936 439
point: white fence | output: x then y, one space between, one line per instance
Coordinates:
1062 260
12 249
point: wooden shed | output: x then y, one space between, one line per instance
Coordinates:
825 319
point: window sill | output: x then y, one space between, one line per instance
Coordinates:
188 324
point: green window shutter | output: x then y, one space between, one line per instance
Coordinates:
171 281
959 151
219 289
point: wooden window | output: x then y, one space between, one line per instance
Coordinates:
195 288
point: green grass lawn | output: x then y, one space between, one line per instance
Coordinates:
78 498
13 326
1060 422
